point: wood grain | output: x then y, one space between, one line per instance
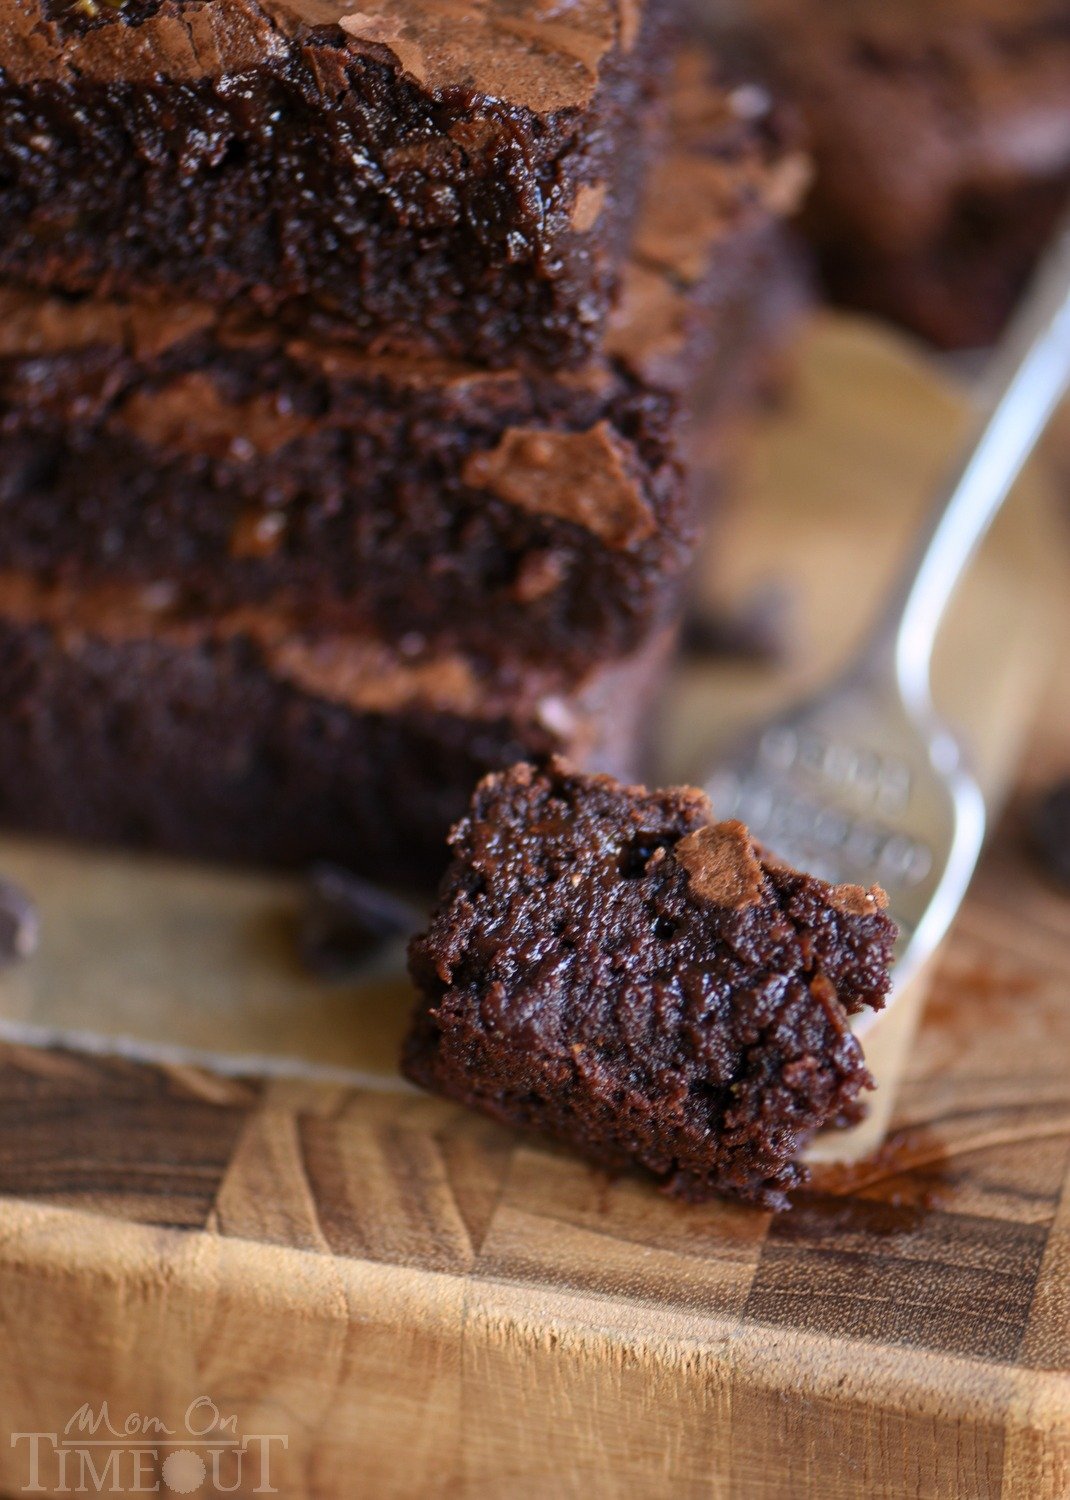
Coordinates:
442 1308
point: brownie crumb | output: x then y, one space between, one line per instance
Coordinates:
1049 831
346 921
722 865
611 967
20 924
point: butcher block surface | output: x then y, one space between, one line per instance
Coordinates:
416 1302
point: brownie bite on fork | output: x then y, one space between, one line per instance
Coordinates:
612 968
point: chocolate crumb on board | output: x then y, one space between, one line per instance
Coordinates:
346 920
1049 830
20 924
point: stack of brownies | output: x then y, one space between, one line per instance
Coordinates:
345 367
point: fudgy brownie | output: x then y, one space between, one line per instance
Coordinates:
457 180
941 134
237 460
128 722
610 966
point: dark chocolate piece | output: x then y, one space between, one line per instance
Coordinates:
609 966
1049 830
941 134
238 460
446 180
346 920
20 924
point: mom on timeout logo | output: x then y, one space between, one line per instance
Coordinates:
141 1455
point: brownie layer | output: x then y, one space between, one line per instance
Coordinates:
941 133
457 181
611 967
234 460
236 737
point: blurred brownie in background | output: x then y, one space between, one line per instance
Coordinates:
941 134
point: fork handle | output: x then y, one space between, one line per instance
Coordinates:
1026 378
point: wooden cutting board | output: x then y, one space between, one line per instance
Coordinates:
394 1298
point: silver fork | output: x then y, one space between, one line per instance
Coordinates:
861 781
